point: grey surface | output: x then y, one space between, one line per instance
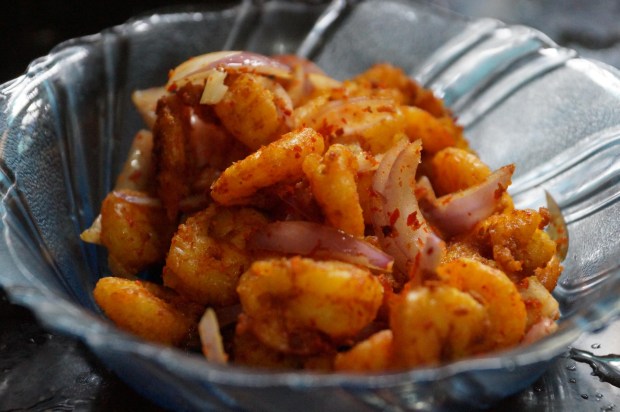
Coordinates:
84 386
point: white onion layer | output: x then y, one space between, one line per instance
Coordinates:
313 239
402 230
211 338
459 212
197 69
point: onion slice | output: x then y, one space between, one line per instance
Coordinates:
138 170
459 212
198 68
313 239
93 233
397 220
292 61
544 327
211 338
137 199
215 89
380 220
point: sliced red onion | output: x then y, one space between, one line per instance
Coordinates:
306 77
387 162
544 327
137 199
414 237
459 212
399 223
198 68
431 253
93 233
138 171
313 239
380 219
211 338
215 89
292 61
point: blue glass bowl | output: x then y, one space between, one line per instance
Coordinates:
67 123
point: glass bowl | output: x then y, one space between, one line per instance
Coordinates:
66 124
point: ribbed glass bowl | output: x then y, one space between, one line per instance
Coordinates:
67 123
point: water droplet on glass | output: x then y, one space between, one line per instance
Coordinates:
572 380
608 408
598 395
571 367
584 396
595 346
538 388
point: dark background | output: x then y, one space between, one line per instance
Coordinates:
30 28
41 371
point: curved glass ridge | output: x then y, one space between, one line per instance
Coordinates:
66 125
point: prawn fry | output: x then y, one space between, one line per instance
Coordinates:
455 169
151 311
302 306
498 294
254 110
371 355
279 161
333 179
207 254
135 230
247 147
435 324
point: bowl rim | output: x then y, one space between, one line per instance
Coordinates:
97 338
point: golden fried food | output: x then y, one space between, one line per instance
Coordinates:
279 161
333 179
248 350
254 110
208 254
303 306
436 323
148 310
497 293
136 231
455 169
519 245
374 354
318 224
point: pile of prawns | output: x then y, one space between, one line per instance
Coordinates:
302 222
